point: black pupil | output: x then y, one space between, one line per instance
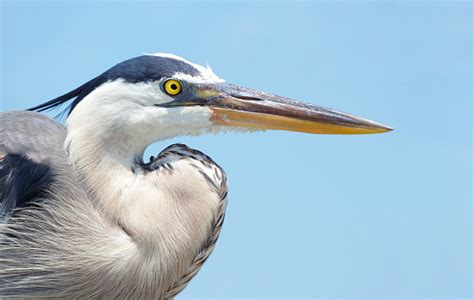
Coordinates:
174 86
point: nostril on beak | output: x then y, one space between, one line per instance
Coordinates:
247 98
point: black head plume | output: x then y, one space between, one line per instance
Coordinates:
143 68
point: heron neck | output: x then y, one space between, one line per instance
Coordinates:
105 165
105 150
168 232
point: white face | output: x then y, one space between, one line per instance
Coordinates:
127 113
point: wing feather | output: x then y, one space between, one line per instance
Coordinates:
30 144
21 181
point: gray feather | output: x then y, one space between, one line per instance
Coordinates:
58 243
30 154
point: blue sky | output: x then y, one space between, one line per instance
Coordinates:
378 216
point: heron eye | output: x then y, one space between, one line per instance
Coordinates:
172 87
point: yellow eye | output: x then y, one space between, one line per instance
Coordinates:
172 87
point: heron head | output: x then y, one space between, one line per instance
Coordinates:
162 95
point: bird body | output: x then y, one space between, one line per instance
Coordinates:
83 215
79 254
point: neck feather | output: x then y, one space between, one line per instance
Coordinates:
168 217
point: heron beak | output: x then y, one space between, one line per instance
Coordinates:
233 105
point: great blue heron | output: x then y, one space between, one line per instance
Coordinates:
83 215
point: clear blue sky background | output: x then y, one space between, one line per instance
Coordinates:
379 216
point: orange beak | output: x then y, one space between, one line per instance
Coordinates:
237 106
